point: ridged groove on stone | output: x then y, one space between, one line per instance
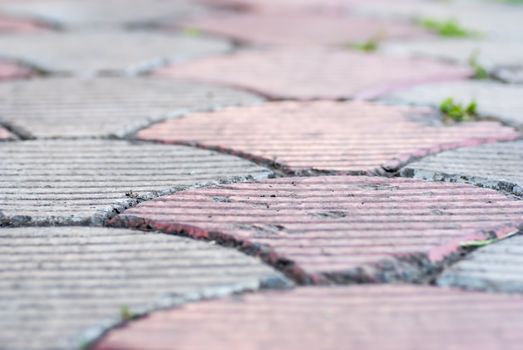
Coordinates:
341 228
349 137
356 317
497 267
102 13
498 166
95 53
87 181
308 73
302 29
75 107
496 100
61 286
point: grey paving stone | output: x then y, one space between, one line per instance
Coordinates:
498 166
86 181
496 100
494 56
89 53
101 13
493 20
80 107
62 286
497 267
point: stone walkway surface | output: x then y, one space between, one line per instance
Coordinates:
95 53
358 317
261 174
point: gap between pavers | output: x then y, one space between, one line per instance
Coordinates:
494 100
61 287
12 70
105 107
5 135
316 73
92 53
342 229
63 182
498 166
325 137
497 267
355 317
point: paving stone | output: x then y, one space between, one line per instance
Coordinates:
496 267
498 166
5 135
9 70
102 13
12 25
78 107
63 286
90 53
315 73
86 181
331 318
340 137
492 20
492 55
302 29
502 101
278 6
338 228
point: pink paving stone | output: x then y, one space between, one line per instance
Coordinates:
10 70
10 25
333 318
338 228
5 135
342 137
316 73
303 29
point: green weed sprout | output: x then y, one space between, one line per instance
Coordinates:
458 112
447 28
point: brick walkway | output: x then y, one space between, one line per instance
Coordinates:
261 174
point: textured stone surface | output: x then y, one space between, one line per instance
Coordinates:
315 73
496 267
344 137
75 107
491 55
490 19
337 227
497 100
85 181
355 317
102 13
59 286
498 166
95 52
304 29
10 70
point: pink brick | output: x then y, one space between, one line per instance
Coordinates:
10 25
10 70
303 29
336 227
4 134
333 318
342 137
314 73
